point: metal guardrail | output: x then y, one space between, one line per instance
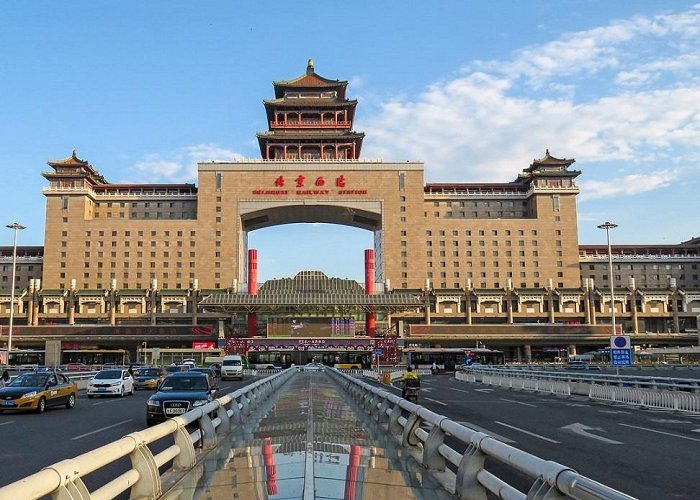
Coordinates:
640 381
675 396
63 480
472 479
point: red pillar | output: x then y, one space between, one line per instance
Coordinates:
252 289
351 473
370 320
270 467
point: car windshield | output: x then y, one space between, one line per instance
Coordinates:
109 374
29 380
197 383
232 362
148 372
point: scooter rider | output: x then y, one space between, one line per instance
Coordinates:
409 379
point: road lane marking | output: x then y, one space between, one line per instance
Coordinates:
486 431
527 432
436 401
518 402
460 390
582 430
7 423
102 429
669 421
661 432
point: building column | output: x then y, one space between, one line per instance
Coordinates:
633 305
509 301
252 289
30 303
194 297
674 301
572 349
550 299
586 302
34 321
427 301
153 306
71 303
468 301
370 318
528 353
591 300
113 302
519 354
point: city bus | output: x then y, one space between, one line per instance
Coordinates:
90 357
342 359
448 358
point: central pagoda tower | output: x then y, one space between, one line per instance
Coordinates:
310 118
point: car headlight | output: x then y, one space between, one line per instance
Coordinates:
29 394
200 402
152 402
116 383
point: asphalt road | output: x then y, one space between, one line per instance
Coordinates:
644 453
649 454
31 441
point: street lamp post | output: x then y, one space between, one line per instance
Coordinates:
608 226
16 226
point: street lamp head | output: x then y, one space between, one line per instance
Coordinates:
607 225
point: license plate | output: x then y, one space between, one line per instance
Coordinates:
8 403
101 389
174 411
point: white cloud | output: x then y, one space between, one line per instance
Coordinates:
628 185
487 125
179 166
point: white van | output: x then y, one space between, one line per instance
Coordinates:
232 367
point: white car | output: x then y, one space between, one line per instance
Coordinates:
112 382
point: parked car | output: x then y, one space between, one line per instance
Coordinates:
177 394
37 391
147 378
114 382
189 363
576 365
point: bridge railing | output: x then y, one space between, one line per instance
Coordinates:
469 475
64 479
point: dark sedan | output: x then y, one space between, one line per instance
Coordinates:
177 394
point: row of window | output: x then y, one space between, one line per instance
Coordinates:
152 215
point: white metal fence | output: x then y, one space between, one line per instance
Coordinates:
674 400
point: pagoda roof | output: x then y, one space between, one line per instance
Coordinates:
133 292
48 292
489 291
308 103
310 134
550 161
531 291
561 291
78 166
87 292
310 79
474 188
174 292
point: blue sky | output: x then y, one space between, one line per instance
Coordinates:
476 90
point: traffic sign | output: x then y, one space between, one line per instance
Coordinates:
377 352
620 342
620 357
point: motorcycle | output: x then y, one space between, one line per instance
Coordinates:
410 390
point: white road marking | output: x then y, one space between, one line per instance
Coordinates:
484 390
695 430
614 411
7 423
100 430
582 430
518 402
460 390
661 432
436 401
669 421
486 431
527 432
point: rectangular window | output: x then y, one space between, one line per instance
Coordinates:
218 180
555 202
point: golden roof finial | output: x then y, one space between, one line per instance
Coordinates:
310 67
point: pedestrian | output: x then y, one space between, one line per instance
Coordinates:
434 368
5 379
131 370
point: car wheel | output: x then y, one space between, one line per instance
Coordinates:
90 396
41 407
71 401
